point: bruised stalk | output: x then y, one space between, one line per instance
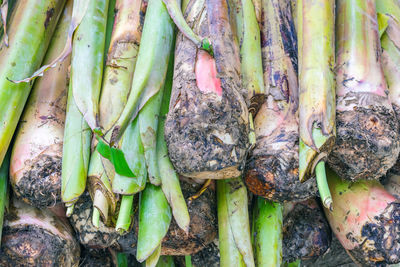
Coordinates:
272 168
35 170
85 83
30 31
367 141
317 89
267 232
206 129
366 220
118 73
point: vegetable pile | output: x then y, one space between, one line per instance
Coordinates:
199 133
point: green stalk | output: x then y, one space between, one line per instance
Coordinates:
88 58
4 188
118 73
293 264
85 85
29 37
122 259
267 232
389 25
248 33
169 178
109 27
125 214
167 261
154 220
188 261
238 214
148 122
158 34
153 259
316 48
132 147
76 152
229 253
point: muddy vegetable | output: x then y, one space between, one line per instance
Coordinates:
272 170
366 125
33 237
35 172
207 125
365 219
306 233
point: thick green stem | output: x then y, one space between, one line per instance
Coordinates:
76 152
88 59
229 253
118 73
132 147
122 259
267 233
154 219
316 56
30 32
148 123
158 34
125 214
153 259
323 187
169 178
238 214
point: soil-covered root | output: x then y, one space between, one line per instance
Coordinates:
366 220
39 184
202 229
209 256
33 237
87 234
367 144
306 232
207 129
275 176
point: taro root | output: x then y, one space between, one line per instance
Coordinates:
367 143
366 220
35 170
207 125
272 170
306 233
33 237
87 234
202 229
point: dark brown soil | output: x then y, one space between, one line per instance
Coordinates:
86 233
385 239
367 145
203 226
25 242
41 185
306 232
